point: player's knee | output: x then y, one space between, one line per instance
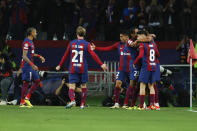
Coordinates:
118 84
83 85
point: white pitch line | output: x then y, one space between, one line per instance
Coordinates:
193 111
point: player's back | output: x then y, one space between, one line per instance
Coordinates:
149 58
28 45
78 56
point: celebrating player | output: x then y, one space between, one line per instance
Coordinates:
78 50
29 69
148 53
124 67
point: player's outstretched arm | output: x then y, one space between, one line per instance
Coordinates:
109 48
64 57
41 57
141 54
26 59
96 58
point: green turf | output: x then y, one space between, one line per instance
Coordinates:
43 118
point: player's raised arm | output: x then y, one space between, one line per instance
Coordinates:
64 57
109 48
26 59
141 54
96 58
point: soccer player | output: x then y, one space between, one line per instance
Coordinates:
78 50
29 69
134 73
124 67
148 52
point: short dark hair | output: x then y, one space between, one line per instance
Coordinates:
29 31
142 32
125 32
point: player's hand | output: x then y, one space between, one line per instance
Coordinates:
35 67
42 59
58 68
104 66
93 46
134 66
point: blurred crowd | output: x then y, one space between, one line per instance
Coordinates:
57 19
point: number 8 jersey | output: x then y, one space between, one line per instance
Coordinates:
78 49
148 53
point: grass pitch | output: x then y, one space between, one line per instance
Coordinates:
95 118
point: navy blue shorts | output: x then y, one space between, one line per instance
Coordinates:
76 77
147 76
121 75
134 73
30 75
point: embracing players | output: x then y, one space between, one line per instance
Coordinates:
78 50
29 69
148 52
126 55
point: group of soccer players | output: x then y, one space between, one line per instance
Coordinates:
145 72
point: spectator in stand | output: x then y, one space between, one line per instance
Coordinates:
155 17
183 49
55 20
112 21
72 13
4 19
19 19
142 16
129 15
170 20
187 15
88 19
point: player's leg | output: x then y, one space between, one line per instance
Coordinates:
73 79
23 92
26 76
156 97
152 96
155 87
142 94
83 95
117 92
117 89
128 93
143 79
36 83
84 80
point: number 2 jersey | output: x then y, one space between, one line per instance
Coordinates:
77 51
149 53
28 45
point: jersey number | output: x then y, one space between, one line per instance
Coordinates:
152 55
76 54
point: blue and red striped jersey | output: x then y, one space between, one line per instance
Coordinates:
124 53
149 54
29 46
77 51
133 51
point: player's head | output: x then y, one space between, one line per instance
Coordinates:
81 32
134 32
31 32
141 34
124 36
